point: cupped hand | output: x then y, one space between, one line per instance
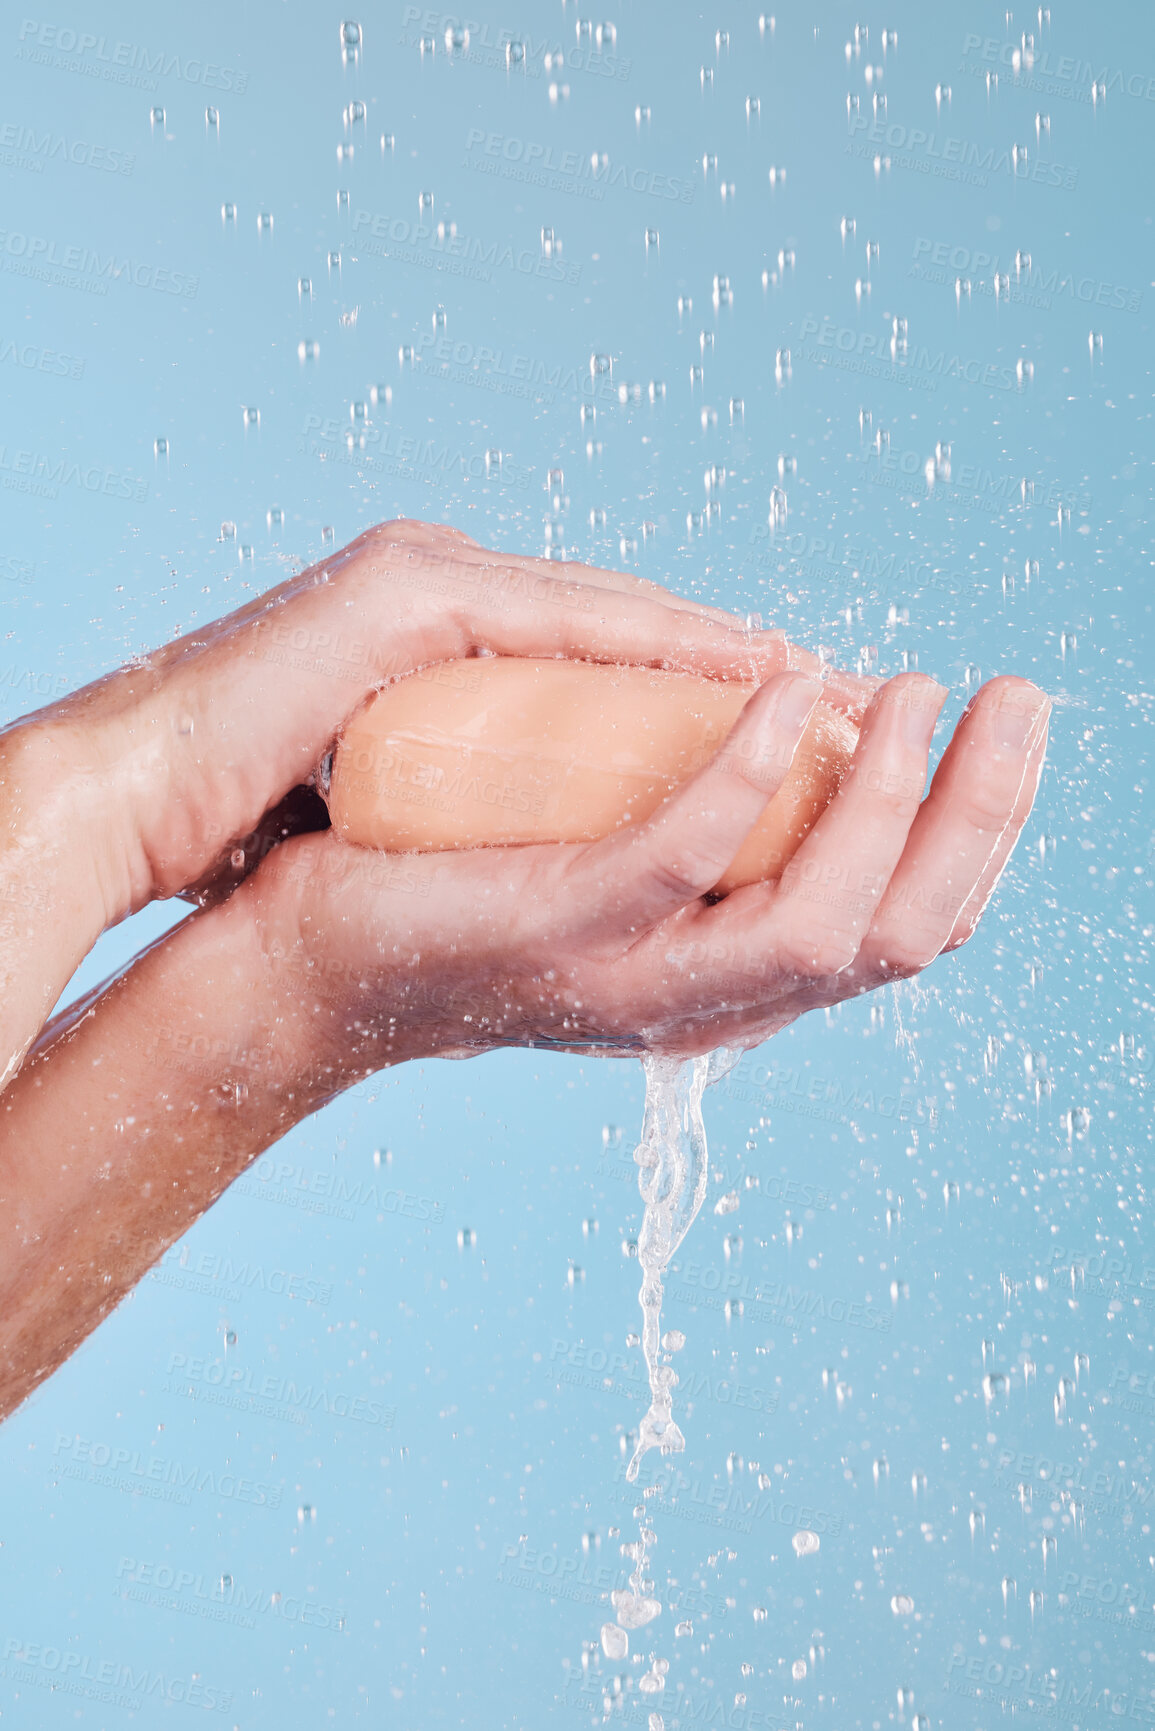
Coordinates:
616 945
144 1101
176 774
191 749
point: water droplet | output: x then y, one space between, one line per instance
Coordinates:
902 1605
306 1512
466 1238
228 213
759 1613
652 239
264 222
805 1543
156 118
1076 1122
251 417
615 1641
798 1670
633 1610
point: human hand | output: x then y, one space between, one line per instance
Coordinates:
330 962
175 774
611 946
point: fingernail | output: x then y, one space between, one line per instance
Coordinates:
1014 718
798 700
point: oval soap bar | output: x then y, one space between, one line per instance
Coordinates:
501 750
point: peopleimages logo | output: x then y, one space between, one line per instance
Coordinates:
777 1302
33 472
220 1384
157 1477
1021 275
594 1368
220 1276
24 147
219 1599
706 1502
119 62
442 248
586 1583
79 267
957 158
44 1666
1059 74
528 160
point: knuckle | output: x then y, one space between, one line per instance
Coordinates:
684 876
987 807
818 955
897 793
908 954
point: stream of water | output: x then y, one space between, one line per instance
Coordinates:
673 1171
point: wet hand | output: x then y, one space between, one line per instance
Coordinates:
615 945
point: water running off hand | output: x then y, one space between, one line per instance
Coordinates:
672 1172
672 1175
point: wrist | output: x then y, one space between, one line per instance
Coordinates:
62 879
69 822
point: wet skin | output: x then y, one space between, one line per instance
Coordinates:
309 963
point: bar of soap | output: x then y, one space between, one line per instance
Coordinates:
500 750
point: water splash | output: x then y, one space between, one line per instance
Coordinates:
672 1172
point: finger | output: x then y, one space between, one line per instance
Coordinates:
636 879
230 718
849 692
964 926
970 820
831 887
598 577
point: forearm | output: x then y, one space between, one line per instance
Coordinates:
56 871
131 1118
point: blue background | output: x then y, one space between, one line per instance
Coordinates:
961 1162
